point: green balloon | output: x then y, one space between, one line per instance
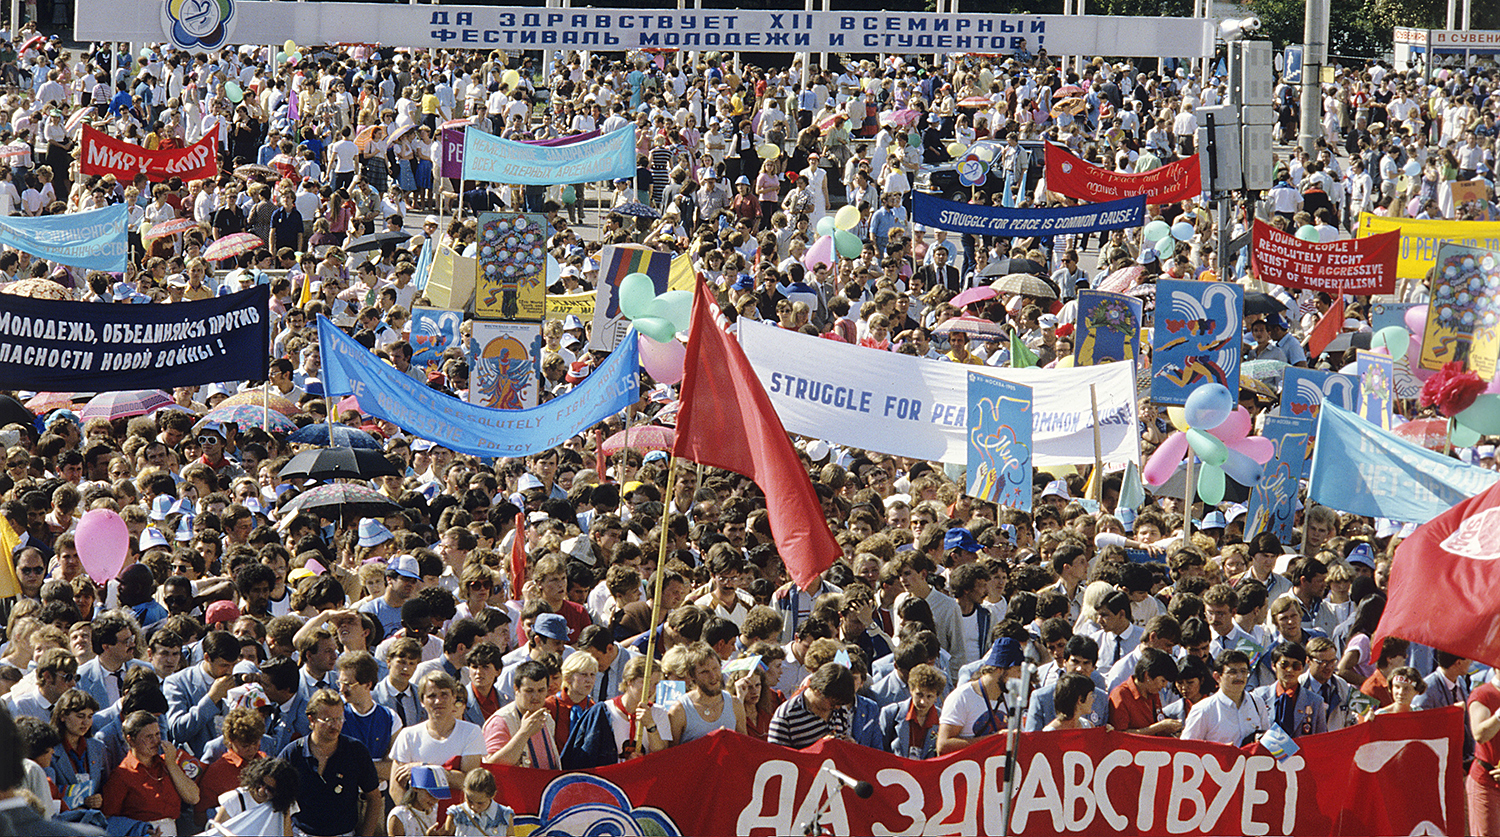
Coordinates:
1483 416
676 307
1209 447
1211 485
825 225
636 294
1308 232
847 244
1395 339
1156 230
655 328
1463 437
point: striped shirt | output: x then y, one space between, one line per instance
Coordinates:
795 725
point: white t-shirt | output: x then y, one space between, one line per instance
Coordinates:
413 745
967 709
344 152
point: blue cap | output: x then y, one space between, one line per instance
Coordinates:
655 456
1005 653
151 538
1213 520
373 533
743 282
551 626
405 566
1057 488
212 427
432 779
1363 556
960 538
184 529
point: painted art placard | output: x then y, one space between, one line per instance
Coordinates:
1463 313
999 463
616 261
433 331
1272 502
1196 337
1109 328
1376 373
504 370
511 282
1303 391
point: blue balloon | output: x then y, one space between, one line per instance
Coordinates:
1242 469
1183 231
1208 406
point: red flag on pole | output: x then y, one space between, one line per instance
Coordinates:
727 421
1442 582
518 558
1327 328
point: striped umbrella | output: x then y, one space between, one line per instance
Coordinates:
365 136
256 398
247 416
172 227
232 245
125 403
649 437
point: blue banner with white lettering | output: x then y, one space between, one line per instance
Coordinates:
93 240
999 464
1272 503
494 160
384 392
1196 339
1361 469
99 347
1042 221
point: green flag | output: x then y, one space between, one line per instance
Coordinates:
1020 356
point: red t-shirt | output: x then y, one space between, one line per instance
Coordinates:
140 792
1129 709
1486 753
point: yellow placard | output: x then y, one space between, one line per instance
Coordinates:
561 305
1420 239
682 277
451 284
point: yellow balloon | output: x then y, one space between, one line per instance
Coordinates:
1178 417
846 218
985 153
1064 362
511 79
955 148
768 150
290 46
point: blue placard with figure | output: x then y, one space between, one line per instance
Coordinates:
1272 503
1109 328
1196 338
433 331
1303 391
1000 419
1375 372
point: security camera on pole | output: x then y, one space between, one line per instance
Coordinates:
1235 137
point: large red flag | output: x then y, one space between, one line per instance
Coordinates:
1443 581
1327 328
727 421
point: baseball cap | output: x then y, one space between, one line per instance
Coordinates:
960 538
373 533
1005 653
1147 256
551 626
1213 520
404 566
152 537
212 426
1057 488
571 322
221 611
184 529
528 481
1234 512
1363 556
655 456
432 779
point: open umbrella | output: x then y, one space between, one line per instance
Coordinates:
1025 284
246 416
77 119
647 437
973 295
339 463
172 227
257 398
635 209
124 403
365 136
975 326
342 498
1262 389
975 102
1067 90
376 241
1259 303
905 117
250 170
1429 433
14 412
38 288
232 245
1123 279
45 402
1000 267
1071 106
343 434
402 130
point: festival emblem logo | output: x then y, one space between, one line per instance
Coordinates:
198 24
578 803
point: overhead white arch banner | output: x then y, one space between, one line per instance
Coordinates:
208 24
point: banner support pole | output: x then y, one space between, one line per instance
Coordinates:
661 560
1187 502
1097 482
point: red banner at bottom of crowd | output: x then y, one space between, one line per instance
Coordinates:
1397 774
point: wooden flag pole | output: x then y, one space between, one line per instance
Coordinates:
1097 483
661 561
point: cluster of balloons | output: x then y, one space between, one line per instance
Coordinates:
1482 418
1218 431
289 53
1164 237
835 237
658 318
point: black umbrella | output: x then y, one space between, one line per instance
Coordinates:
339 463
342 498
1259 303
1001 267
14 412
635 209
377 241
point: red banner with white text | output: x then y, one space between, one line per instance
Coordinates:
1071 175
1353 265
1397 774
100 153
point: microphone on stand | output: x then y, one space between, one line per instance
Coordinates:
863 790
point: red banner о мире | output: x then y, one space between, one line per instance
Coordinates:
1074 177
100 153
1353 265
1397 774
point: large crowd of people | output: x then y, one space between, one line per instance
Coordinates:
252 671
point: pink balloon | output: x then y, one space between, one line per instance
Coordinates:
1258 448
1416 322
1164 462
820 253
103 544
663 361
1234 428
1414 356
